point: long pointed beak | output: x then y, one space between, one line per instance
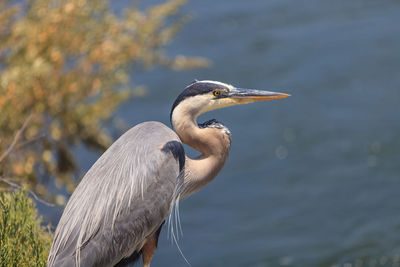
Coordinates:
244 96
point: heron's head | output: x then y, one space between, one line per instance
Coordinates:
202 96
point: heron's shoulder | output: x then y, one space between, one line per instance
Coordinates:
151 125
151 130
177 150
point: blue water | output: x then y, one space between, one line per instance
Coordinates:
314 179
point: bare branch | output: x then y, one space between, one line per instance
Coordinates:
29 191
16 138
31 141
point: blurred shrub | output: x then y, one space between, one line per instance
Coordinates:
23 242
63 71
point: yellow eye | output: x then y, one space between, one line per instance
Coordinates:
217 93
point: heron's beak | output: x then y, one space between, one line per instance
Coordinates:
245 96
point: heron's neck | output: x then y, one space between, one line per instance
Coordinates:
213 145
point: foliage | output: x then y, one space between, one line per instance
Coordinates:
64 68
23 242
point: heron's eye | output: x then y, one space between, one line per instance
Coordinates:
217 93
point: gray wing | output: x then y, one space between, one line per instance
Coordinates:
122 199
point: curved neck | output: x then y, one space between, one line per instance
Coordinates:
211 142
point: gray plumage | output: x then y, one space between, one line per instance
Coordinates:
128 193
117 210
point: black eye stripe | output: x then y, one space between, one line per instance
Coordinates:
198 88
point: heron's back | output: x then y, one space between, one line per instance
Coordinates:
122 199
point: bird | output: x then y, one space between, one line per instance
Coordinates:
116 212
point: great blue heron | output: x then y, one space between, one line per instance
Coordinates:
117 210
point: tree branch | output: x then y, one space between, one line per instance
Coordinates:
16 138
29 191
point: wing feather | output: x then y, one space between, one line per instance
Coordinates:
122 200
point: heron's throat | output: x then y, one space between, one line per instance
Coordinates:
212 142
210 138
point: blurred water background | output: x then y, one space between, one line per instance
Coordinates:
312 180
